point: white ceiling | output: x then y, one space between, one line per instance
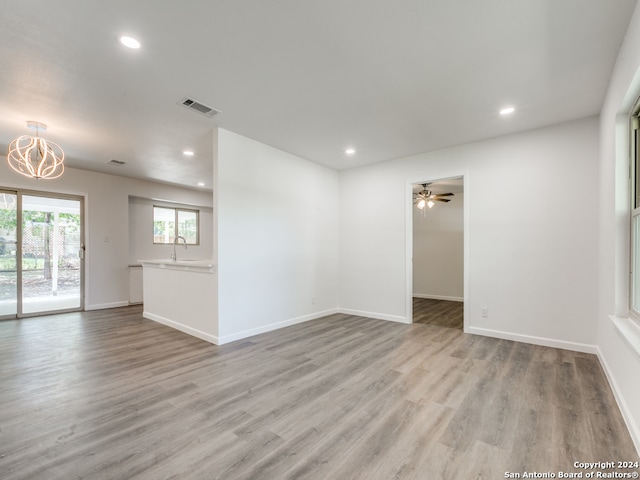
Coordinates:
388 78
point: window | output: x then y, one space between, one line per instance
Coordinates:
634 138
169 223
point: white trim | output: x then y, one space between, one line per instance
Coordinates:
182 327
438 297
409 244
408 267
629 330
104 306
466 231
273 326
634 430
545 342
377 316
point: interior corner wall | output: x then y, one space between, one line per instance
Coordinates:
106 223
619 356
532 250
438 250
276 223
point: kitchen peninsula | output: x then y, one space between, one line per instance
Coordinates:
181 295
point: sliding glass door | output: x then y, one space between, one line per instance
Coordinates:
41 266
8 248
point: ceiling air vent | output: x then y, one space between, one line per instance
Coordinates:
116 162
197 106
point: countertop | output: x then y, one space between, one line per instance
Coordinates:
180 264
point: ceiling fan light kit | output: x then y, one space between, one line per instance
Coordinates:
426 198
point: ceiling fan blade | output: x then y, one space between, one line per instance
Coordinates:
441 199
445 194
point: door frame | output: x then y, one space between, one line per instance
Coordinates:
12 191
409 240
19 192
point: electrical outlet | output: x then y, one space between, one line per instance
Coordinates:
484 312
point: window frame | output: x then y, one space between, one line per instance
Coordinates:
176 232
634 208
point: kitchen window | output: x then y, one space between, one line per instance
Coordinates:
170 223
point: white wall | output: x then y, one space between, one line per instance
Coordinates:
141 246
276 222
438 250
620 357
532 247
107 223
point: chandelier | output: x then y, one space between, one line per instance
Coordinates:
34 156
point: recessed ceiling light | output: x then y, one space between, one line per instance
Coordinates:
507 110
188 153
201 184
130 42
350 151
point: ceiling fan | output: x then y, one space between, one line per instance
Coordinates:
428 198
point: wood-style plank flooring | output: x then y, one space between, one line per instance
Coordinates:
443 313
111 395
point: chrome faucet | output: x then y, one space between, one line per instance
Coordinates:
174 257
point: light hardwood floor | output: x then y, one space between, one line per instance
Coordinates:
110 395
443 313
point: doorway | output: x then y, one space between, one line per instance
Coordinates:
41 253
438 260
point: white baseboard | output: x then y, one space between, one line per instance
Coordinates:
273 326
378 316
183 328
438 297
104 306
545 342
634 430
